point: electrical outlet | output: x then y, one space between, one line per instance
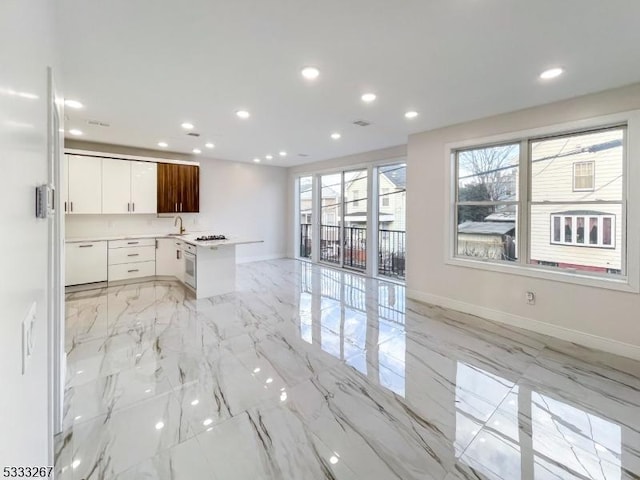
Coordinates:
531 298
27 336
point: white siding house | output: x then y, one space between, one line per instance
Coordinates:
576 193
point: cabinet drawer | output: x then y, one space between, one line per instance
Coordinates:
190 248
132 242
132 254
126 271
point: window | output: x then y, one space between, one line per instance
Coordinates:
305 207
384 199
598 231
356 198
487 202
583 176
572 219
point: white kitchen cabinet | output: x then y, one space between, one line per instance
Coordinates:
169 258
84 185
129 186
65 184
144 187
86 262
116 186
129 259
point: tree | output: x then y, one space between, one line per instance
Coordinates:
492 167
474 192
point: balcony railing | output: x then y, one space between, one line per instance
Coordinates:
305 240
355 246
391 248
391 253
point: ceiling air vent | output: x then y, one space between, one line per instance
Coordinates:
193 134
97 123
303 154
362 123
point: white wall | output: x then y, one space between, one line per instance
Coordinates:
601 318
239 199
28 40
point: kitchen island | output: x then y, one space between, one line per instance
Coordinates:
210 266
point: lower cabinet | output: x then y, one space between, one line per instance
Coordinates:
169 258
114 260
86 262
132 259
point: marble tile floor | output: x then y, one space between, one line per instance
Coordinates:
307 372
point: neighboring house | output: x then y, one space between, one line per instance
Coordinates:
490 239
581 235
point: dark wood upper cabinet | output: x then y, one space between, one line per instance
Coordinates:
178 188
190 184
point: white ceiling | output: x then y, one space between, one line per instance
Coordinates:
146 66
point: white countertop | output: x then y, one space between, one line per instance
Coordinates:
187 237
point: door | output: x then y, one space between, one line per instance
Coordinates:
144 185
85 185
116 186
168 188
189 188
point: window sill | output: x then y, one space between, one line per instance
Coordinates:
622 284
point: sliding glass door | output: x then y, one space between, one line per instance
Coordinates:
330 224
392 203
355 219
305 199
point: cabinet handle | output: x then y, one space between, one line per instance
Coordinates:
177 254
175 209
65 206
133 207
132 243
71 204
133 255
86 246
156 244
132 271
180 206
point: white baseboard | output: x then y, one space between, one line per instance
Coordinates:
574 336
260 258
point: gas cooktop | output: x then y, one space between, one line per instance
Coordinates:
208 238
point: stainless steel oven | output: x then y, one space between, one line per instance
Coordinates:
190 263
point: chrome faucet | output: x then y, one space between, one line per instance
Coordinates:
175 224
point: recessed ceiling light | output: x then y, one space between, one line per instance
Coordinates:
368 97
163 144
243 114
310 73
73 104
159 425
257 160
209 145
335 136
411 114
282 153
196 150
187 126
269 157
551 73
75 131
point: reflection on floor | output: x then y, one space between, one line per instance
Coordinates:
311 373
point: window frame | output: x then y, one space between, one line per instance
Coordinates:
593 176
599 244
629 280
